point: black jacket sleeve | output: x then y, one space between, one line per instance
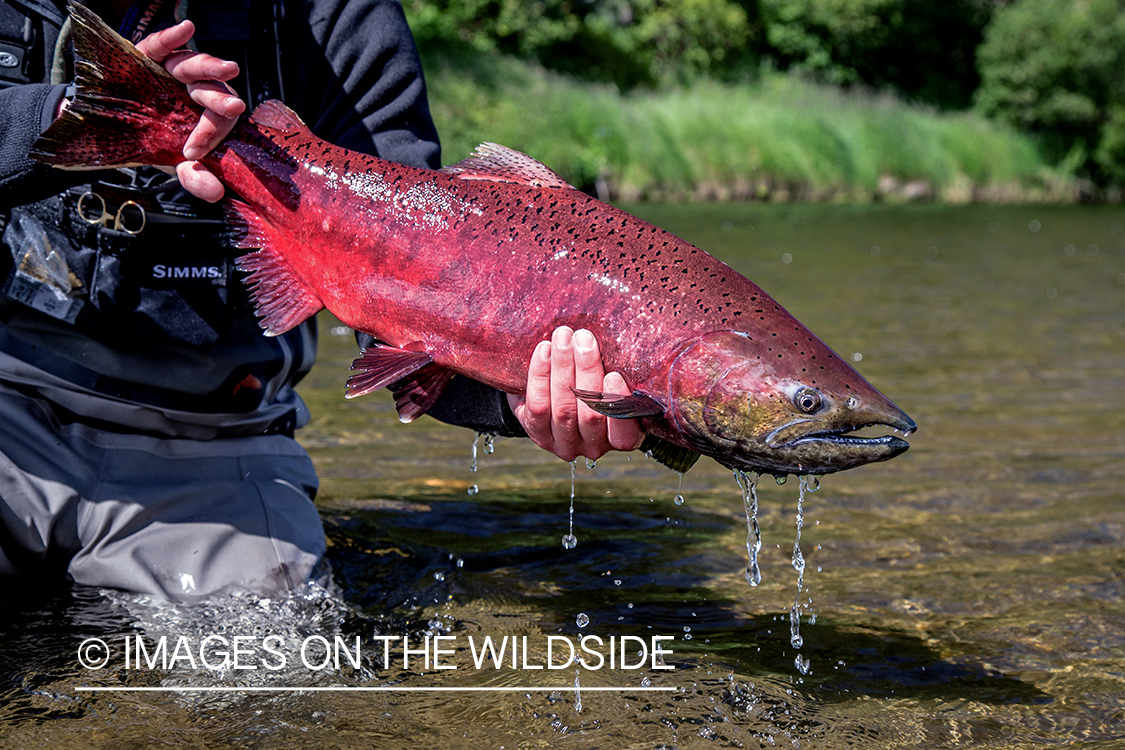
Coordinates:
363 88
28 110
470 403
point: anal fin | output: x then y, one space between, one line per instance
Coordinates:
673 456
416 393
282 299
379 366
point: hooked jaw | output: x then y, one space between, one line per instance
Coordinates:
823 449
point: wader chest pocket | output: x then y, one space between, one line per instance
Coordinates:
177 288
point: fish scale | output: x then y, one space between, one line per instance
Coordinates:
465 270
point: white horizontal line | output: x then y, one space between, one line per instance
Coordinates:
374 689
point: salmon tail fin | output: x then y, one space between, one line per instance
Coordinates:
128 110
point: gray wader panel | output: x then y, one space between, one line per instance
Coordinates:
175 518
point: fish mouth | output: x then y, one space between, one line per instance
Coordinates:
797 449
847 436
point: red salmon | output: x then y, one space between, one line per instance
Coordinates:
464 270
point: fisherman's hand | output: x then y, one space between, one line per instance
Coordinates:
552 415
205 76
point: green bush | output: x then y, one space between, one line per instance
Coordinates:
921 48
1057 68
627 42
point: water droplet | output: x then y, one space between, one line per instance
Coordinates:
813 484
582 620
569 541
1070 250
439 576
781 479
787 258
687 628
857 357
489 444
802 664
875 250
646 682
591 463
577 694
616 581
630 605
476 440
1034 225
678 499
473 490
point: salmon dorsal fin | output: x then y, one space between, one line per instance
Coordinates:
274 114
497 163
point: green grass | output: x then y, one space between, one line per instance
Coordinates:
780 138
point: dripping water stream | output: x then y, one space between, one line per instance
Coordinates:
473 489
570 541
749 486
798 560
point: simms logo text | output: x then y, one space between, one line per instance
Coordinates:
186 272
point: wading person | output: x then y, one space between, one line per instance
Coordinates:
146 424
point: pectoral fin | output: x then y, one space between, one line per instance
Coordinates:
616 406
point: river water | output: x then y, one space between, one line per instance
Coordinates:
970 593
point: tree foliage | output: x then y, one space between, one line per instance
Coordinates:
923 49
1057 68
627 42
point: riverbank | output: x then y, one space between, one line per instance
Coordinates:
777 139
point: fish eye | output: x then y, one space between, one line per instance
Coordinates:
808 400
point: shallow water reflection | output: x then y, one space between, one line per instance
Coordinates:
970 593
